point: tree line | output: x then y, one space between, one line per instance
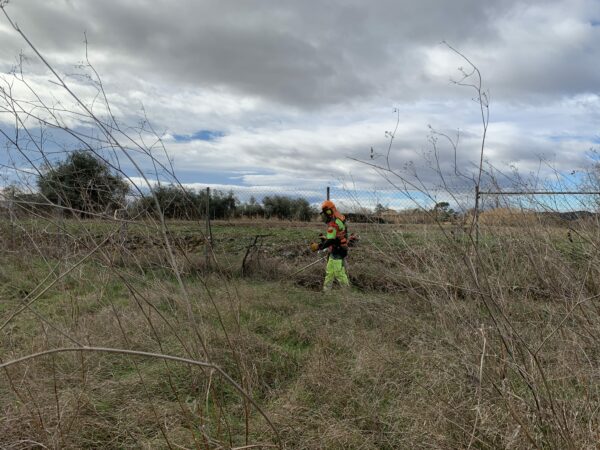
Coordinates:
83 185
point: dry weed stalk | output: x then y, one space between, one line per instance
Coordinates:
73 239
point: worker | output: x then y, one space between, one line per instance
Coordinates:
335 242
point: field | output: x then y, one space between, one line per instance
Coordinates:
439 343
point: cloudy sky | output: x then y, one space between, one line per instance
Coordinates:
286 93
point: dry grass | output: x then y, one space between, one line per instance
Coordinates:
418 355
509 217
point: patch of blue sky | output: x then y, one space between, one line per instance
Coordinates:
347 200
259 194
200 135
555 202
208 178
594 139
568 192
16 163
357 200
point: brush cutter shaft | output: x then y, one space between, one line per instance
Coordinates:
310 265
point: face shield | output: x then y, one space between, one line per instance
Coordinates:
326 215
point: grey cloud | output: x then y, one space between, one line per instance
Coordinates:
304 54
325 68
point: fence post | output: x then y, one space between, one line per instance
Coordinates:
60 225
124 225
476 224
12 244
207 232
328 192
476 219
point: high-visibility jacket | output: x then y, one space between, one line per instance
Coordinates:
336 238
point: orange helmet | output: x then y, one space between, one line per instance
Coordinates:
328 204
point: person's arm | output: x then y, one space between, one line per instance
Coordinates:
330 238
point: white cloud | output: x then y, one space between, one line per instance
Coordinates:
301 87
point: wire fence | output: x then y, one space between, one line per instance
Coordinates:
525 208
376 205
379 205
58 228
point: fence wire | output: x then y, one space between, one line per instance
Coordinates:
377 205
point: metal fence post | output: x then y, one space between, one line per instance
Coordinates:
477 205
207 232
12 244
59 224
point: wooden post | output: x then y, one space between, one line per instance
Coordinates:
328 191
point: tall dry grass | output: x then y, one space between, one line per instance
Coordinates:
425 353
520 311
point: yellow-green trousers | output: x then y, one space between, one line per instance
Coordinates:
335 271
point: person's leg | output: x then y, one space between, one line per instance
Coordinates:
340 273
329 275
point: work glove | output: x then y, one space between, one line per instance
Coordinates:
314 246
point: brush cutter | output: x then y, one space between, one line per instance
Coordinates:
310 265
